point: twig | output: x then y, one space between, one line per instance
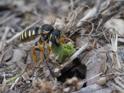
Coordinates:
7 19
18 76
12 86
92 28
72 4
49 2
2 55
86 80
114 42
18 34
121 40
95 76
105 5
3 40
111 84
93 12
4 82
90 89
121 79
117 81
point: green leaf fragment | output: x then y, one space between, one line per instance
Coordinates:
63 51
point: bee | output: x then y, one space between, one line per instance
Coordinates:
48 37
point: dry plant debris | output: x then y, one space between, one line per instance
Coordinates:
94 27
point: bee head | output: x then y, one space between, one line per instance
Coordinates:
55 36
46 31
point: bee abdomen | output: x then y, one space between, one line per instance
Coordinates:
29 34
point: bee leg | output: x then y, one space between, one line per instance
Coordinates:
34 56
40 46
49 48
